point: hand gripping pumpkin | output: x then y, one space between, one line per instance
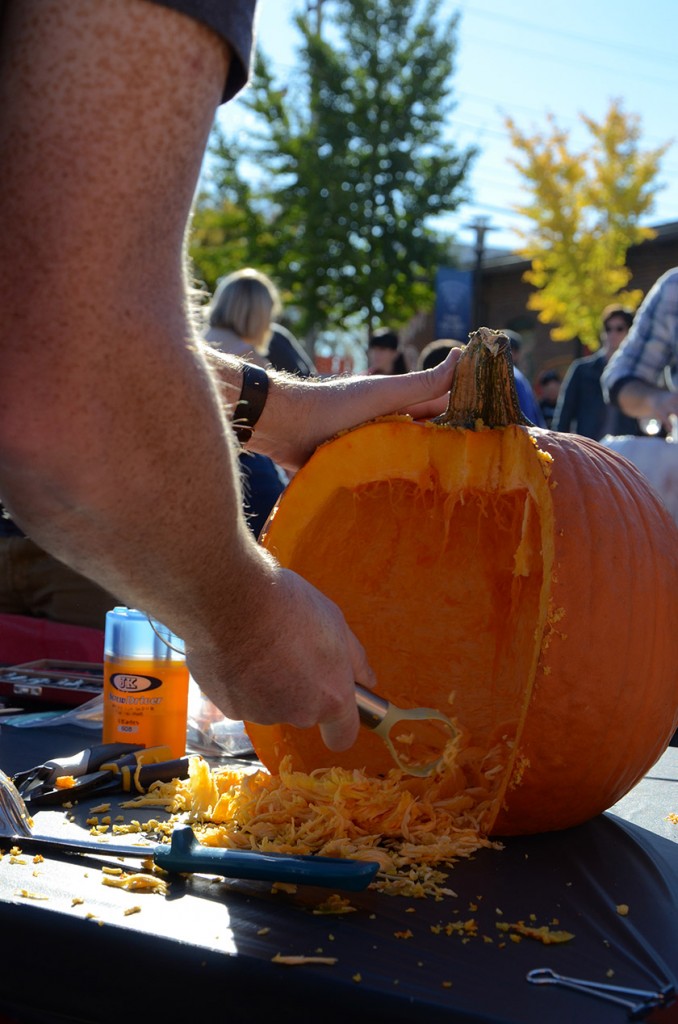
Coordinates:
521 581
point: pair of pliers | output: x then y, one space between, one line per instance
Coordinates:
102 768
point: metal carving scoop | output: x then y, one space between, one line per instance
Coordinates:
381 716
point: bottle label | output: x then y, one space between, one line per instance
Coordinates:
143 707
134 684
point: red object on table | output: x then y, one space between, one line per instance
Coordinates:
24 638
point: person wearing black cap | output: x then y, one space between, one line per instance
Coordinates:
527 399
548 382
582 407
384 354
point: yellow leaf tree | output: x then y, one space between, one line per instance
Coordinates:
585 208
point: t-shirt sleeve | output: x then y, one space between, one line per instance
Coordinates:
233 20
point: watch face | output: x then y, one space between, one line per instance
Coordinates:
650 426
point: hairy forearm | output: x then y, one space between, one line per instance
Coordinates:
301 414
135 484
114 451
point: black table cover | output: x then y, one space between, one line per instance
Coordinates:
71 952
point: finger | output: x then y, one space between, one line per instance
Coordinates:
341 733
439 378
427 410
436 384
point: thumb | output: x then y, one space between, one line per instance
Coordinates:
341 732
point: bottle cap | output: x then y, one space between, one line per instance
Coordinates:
132 634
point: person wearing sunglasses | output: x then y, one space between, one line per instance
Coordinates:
582 407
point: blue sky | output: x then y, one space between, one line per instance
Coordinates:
528 59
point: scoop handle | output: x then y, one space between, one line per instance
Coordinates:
371 708
186 854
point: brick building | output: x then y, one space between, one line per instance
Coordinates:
503 296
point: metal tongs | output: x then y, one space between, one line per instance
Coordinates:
380 716
637 1001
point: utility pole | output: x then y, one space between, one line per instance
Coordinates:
481 226
315 6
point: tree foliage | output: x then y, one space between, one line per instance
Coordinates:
585 212
332 188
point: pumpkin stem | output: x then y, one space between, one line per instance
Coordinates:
484 387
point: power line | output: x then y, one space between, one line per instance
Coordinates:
568 61
601 44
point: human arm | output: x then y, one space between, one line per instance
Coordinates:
301 414
115 452
647 401
632 378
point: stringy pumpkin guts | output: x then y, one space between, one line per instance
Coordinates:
414 829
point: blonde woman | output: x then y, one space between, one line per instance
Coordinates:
240 315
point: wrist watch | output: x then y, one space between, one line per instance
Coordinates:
250 405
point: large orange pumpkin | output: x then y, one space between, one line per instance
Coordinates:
523 582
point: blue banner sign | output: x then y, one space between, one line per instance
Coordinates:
454 302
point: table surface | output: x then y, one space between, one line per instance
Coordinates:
77 953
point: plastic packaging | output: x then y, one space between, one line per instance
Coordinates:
145 683
210 732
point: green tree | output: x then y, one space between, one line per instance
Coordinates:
338 178
585 210
228 230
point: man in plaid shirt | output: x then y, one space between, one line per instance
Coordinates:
639 377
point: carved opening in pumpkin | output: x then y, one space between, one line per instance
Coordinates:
438 549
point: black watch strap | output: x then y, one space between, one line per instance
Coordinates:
250 405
